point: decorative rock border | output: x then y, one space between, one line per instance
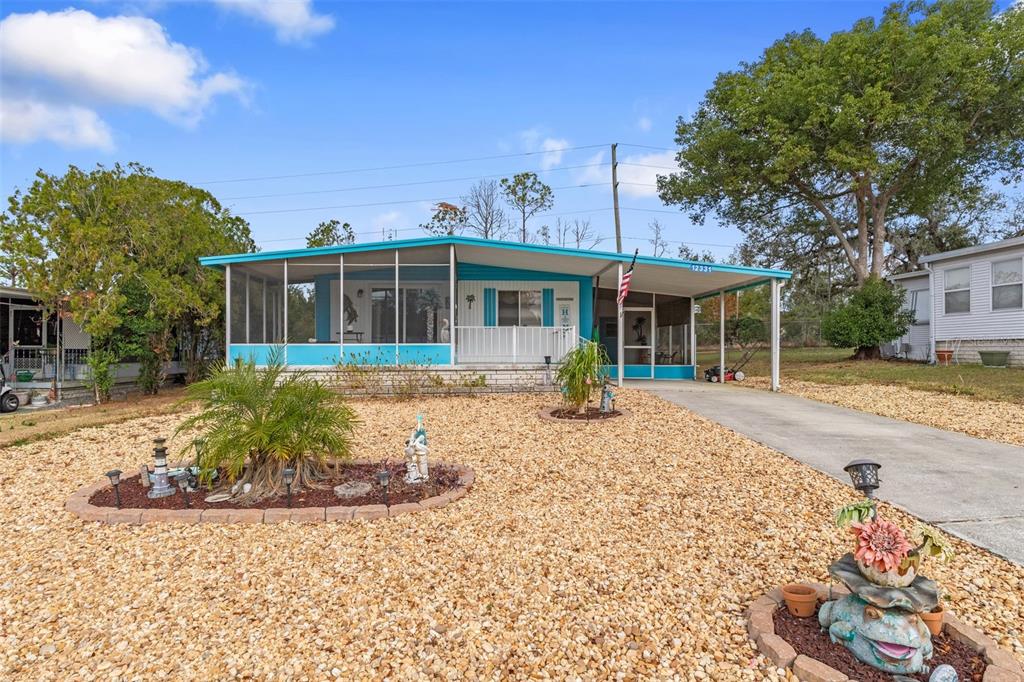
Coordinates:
546 414
1002 666
78 504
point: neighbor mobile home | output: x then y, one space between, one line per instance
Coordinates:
467 302
968 301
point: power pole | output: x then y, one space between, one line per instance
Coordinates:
615 200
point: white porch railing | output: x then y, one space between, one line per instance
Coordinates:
515 345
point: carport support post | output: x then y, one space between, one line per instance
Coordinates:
721 336
227 315
776 285
621 335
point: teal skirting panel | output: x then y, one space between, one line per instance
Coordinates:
660 371
313 354
424 354
258 353
369 354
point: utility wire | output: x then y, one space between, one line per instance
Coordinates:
399 166
402 184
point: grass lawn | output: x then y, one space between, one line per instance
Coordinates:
626 549
833 366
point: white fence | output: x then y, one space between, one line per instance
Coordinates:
43 363
516 345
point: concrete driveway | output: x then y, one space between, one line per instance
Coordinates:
969 487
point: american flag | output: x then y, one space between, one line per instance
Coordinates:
627 276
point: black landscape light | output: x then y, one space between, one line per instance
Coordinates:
384 481
289 476
182 479
115 480
864 475
547 370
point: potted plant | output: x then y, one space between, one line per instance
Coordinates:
933 619
801 600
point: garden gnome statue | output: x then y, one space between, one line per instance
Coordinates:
607 398
416 454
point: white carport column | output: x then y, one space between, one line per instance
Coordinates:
776 285
721 336
227 314
621 335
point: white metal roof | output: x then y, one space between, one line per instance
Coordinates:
972 250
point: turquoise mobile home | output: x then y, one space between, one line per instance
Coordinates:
465 302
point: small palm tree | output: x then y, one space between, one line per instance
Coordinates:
581 372
255 422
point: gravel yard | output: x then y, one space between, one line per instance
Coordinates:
989 419
627 548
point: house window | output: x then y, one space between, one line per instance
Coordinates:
958 290
1008 285
920 303
519 308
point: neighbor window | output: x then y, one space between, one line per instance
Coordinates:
958 290
519 308
1007 284
921 305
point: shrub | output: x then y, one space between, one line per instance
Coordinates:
871 317
581 372
255 422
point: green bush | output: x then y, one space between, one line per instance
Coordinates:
255 422
581 372
871 317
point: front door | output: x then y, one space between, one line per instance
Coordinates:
638 343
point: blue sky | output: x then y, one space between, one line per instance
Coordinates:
226 90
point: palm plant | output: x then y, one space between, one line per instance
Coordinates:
581 372
255 422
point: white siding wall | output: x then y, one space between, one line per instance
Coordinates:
474 317
982 322
919 334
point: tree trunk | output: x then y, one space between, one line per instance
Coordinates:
868 353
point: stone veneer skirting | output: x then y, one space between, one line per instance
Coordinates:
1002 666
967 350
78 504
425 380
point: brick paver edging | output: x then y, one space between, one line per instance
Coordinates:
546 413
78 504
1002 666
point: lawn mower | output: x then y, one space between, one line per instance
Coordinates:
8 400
735 373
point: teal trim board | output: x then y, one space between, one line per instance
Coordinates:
548 307
368 354
313 355
257 353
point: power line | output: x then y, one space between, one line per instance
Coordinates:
647 146
388 203
400 184
399 166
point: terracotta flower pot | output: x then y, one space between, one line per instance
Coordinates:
800 599
933 619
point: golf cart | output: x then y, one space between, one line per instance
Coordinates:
8 400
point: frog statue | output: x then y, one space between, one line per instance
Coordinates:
890 639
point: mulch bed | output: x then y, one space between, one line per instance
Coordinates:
590 414
442 479
807 637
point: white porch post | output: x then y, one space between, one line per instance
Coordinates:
396 307
284 319
621 335
693 336
227 314
775 332
721 336
247 287
451 306
341 308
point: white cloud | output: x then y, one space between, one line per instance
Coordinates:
638 175
644 124
25 120
553 148
121 60
294 21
